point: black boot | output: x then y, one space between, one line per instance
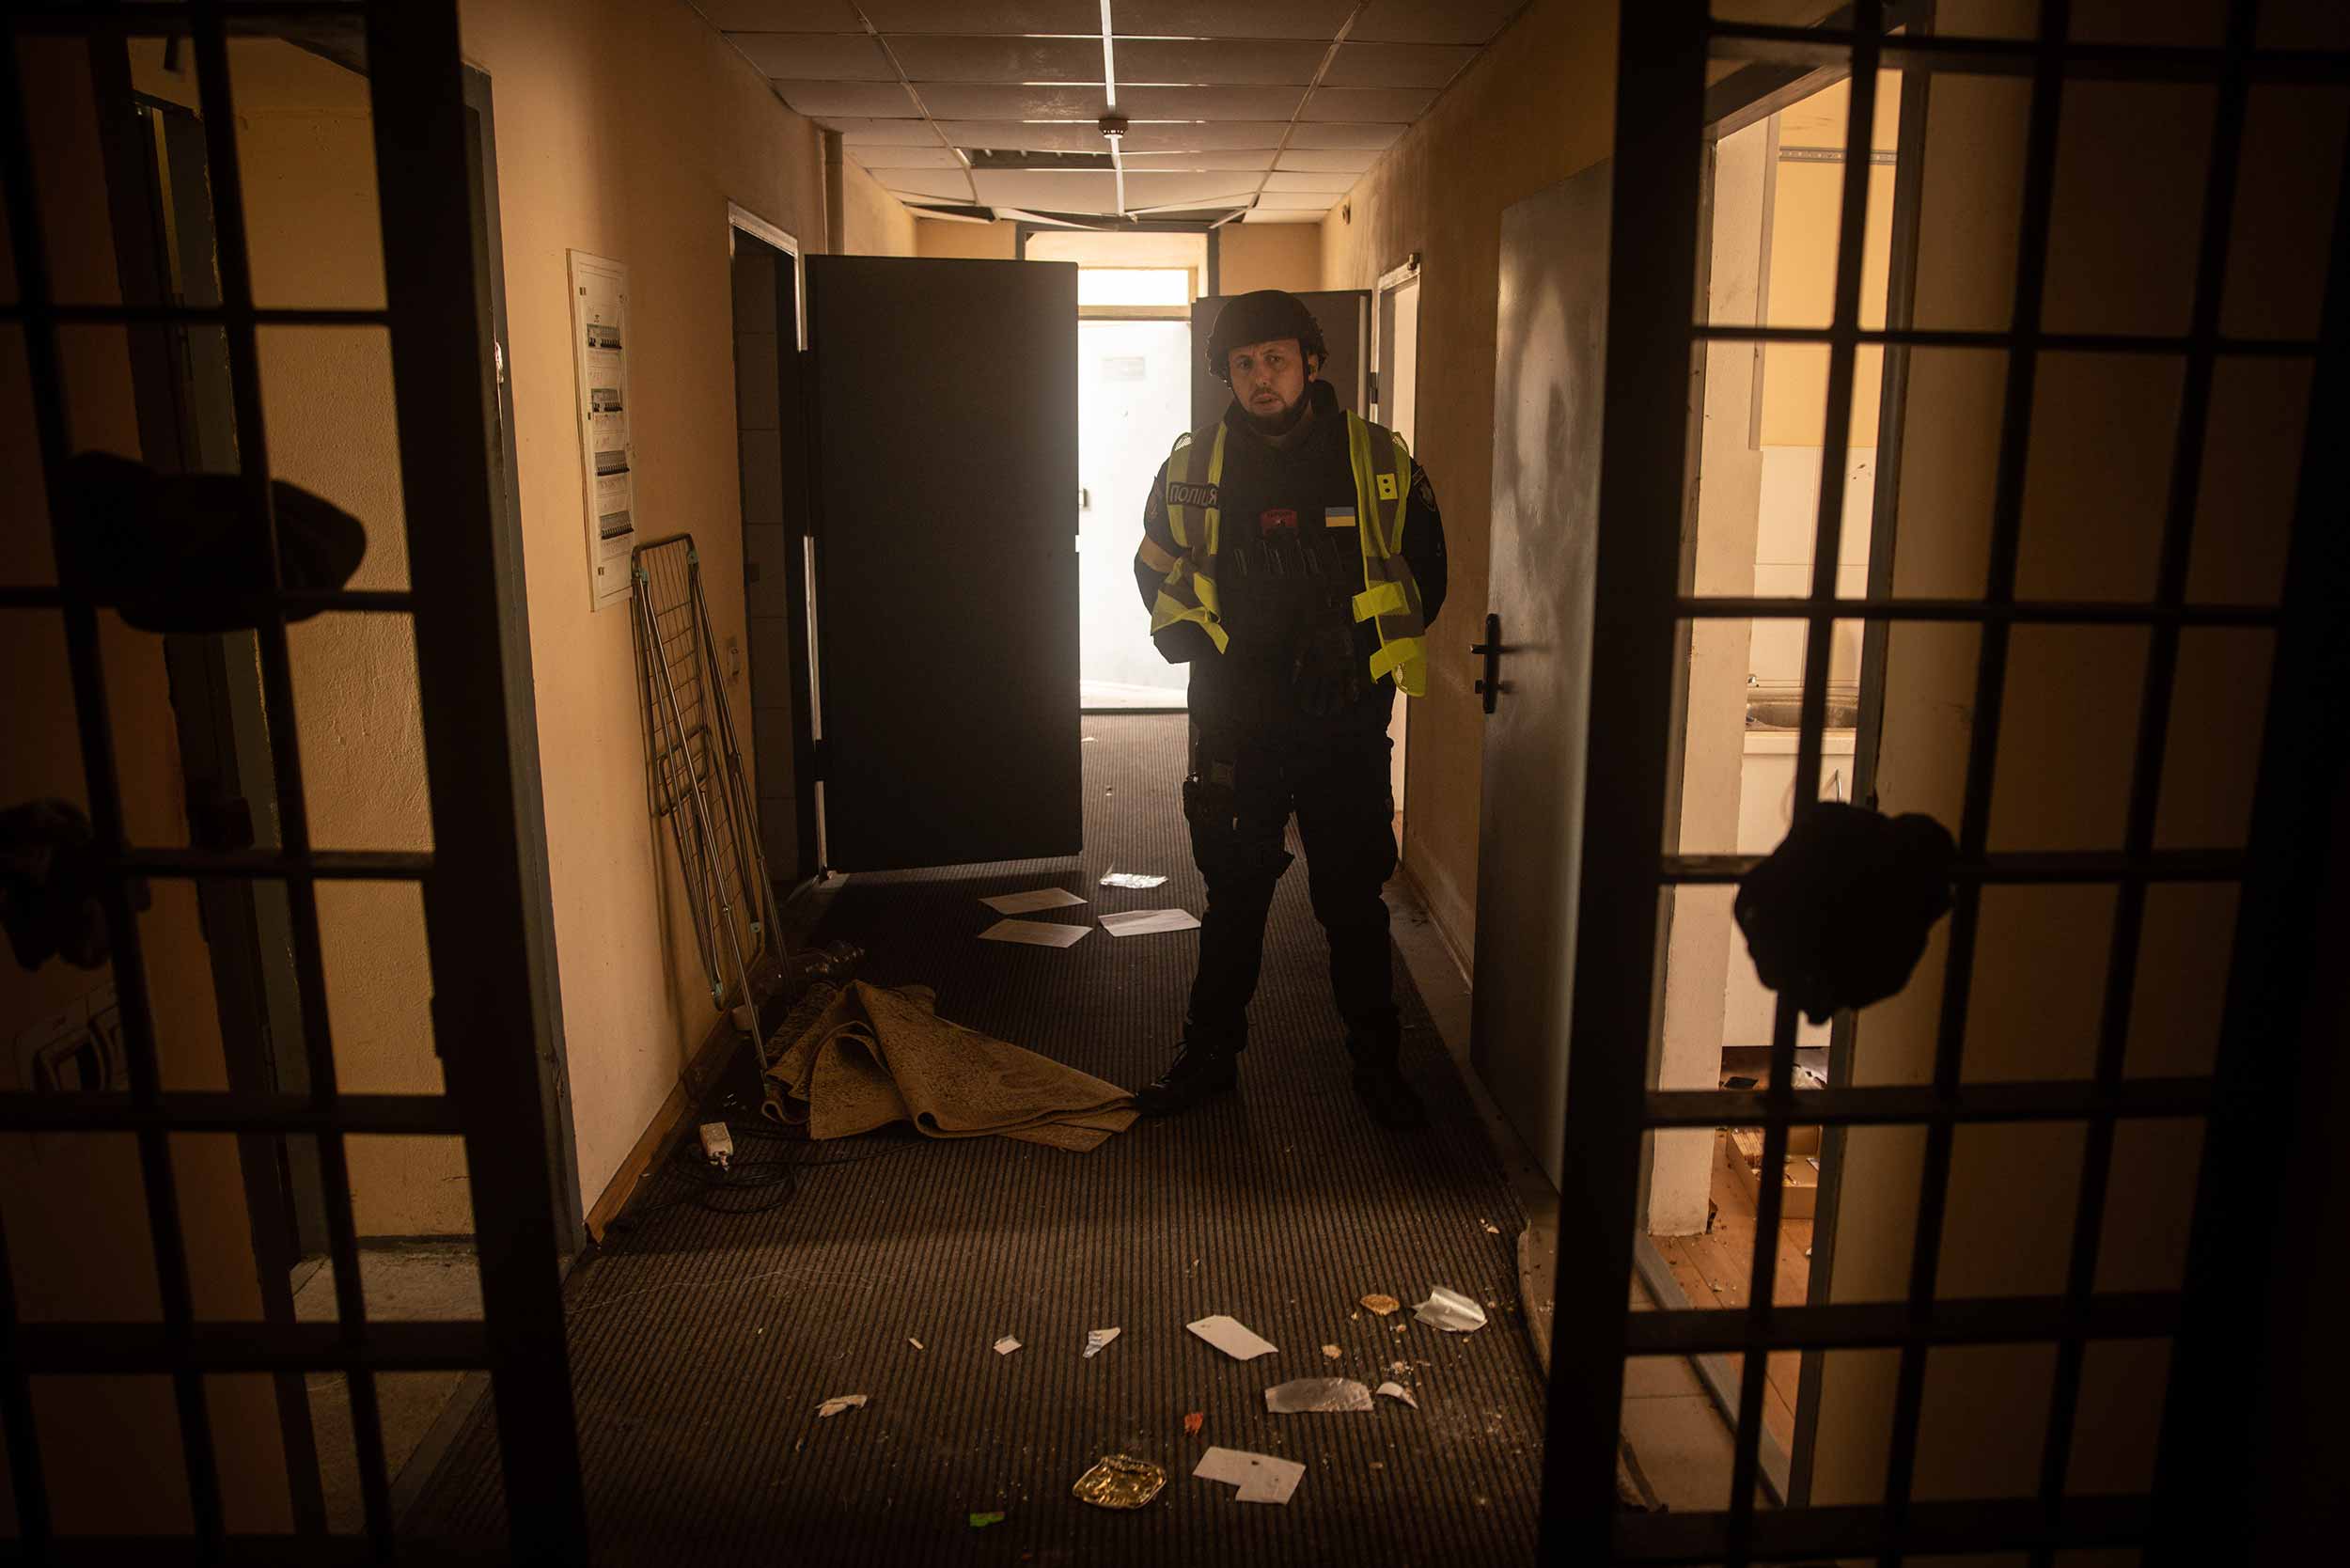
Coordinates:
1374 1046
1199 1069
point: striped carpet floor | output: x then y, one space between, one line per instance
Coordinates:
702 1342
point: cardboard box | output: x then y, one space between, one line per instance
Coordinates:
1742 1154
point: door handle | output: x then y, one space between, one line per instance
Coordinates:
1490 649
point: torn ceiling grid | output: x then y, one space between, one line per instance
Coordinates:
1232 104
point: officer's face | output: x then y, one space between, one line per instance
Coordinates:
1269 378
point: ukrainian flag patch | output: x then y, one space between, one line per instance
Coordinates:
1337 517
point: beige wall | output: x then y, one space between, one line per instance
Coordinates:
75 1213
695 127
1249 256
1268 255
968 242
2131 161
1536 107
879 223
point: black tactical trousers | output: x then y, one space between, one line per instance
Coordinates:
1238 799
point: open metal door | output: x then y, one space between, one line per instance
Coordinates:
943 457
1537 646
1345 317
2219 1312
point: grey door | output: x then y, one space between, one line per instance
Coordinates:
1549 367
1345 315
943 459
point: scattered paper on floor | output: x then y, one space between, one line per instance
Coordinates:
1097 1339
1383 1305
1035 933
1397 1390
1146 922
1333 1352
1261 1477
1193 1422
1232 1338
981 1521
1133 879
838 1403
915 1343
1023 903
1317 1395
1006 1345
1450 1311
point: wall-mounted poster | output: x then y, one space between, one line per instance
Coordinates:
600 341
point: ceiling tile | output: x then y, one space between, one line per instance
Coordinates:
884 133
1197 190
1226 62
1260 160
1360 105
945 58
1053 190
1397 65
858 100
1208 102
1185 136
781 15
937 184
816 56
883 157
1306 201
985 16
961 100
1279 215
1011 134
1335 182
1431 20
1311 161
1229 19
1358 138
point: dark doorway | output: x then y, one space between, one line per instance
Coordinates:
770 425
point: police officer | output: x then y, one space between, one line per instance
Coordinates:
1293 555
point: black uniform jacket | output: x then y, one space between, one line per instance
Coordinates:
1286 570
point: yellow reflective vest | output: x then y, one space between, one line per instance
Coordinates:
1383 493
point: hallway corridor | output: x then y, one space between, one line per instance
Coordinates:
702 1342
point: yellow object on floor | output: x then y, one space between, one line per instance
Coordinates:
876 1055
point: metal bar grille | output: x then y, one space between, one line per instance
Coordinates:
191 314
381 601
472 883
2017 868
1663 52
1826 551
44 363
1981 56
2028 612
210 29
1960 337
2152 745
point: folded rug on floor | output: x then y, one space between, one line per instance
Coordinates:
875 1056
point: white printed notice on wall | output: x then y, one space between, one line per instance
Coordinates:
601 343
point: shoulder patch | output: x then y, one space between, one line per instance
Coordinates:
1387 487
1180 493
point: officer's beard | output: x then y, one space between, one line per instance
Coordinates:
1278 428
